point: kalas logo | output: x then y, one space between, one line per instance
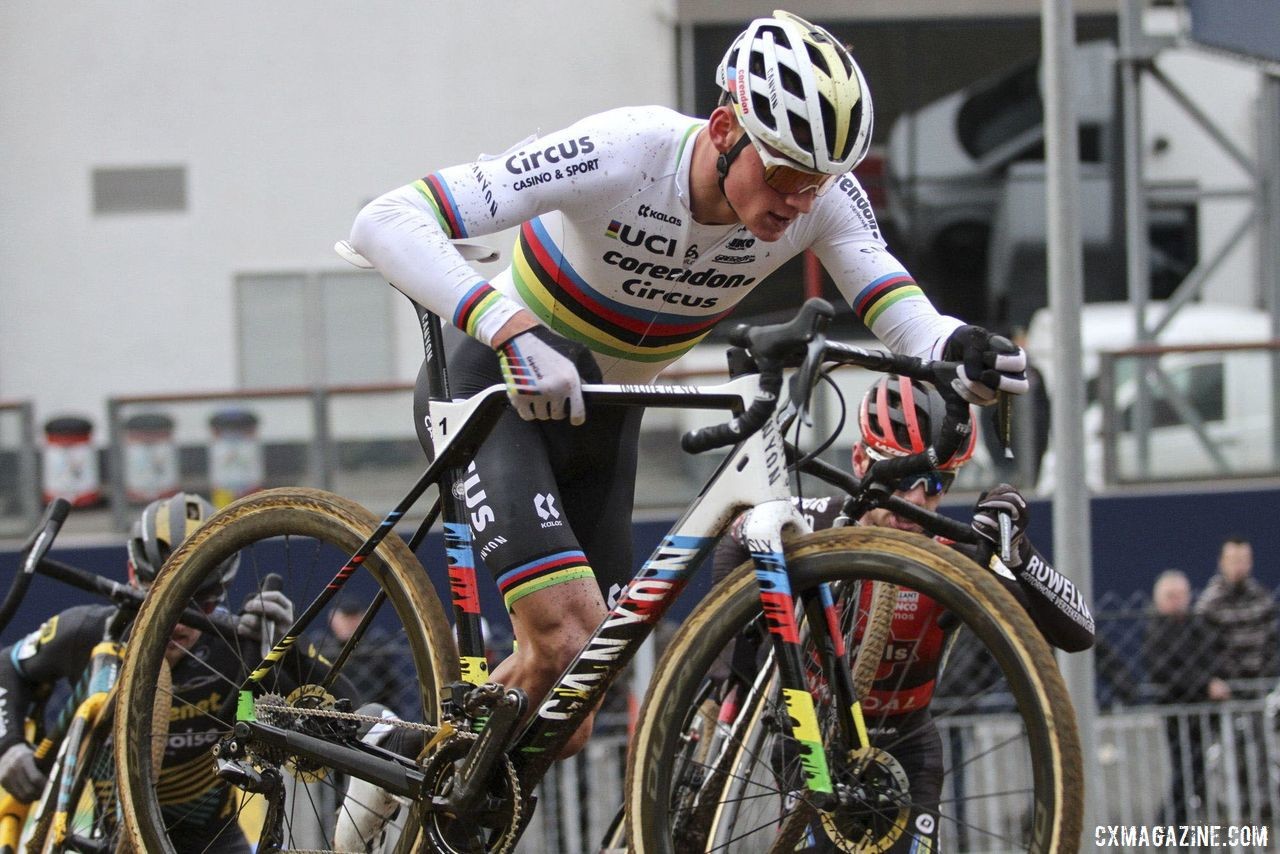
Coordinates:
528 161
649 213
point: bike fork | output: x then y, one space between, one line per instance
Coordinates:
779 608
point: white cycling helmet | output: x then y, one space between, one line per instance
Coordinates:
797 90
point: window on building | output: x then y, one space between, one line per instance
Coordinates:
297 329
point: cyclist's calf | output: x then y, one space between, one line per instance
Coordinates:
551 627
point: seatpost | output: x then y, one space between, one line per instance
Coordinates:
463 586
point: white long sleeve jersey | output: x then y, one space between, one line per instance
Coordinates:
608 252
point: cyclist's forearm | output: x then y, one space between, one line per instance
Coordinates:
402 235
14 701
1052 600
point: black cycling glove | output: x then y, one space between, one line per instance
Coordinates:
1003 499
989 363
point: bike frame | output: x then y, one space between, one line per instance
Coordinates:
753 475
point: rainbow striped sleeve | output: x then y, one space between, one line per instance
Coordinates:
439 197
885 292
473 306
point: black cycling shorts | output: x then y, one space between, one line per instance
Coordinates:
547 502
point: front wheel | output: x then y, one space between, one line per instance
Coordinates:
983 756
304 538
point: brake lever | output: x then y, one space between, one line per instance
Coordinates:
803 380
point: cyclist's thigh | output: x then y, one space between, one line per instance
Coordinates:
533 484
513 502
603 491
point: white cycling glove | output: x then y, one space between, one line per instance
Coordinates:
19 775
540 380
271 605
989 364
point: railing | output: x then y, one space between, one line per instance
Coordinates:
1137 755
358 441
1189 412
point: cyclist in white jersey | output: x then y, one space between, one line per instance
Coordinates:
640 228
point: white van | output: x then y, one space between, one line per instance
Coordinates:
1228 391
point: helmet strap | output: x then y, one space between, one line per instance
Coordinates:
725 160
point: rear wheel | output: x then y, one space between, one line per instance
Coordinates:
304 537
1002 760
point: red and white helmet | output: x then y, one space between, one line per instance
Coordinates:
900 416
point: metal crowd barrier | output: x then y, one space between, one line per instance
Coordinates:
1238 751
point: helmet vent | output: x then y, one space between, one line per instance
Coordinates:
819 61
843 51
760 103
779 36
829 129
791 82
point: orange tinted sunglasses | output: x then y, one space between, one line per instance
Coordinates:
785 177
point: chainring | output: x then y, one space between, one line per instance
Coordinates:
460 836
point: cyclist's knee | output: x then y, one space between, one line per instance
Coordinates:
552 626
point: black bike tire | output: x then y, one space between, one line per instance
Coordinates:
274 512
849 553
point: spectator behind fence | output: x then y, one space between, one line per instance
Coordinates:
377 674
1244 614
1179 649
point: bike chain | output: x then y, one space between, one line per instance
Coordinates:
274 704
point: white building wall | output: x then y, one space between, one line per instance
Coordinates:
288 116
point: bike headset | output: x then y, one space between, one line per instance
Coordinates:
164 524
800 99
900 416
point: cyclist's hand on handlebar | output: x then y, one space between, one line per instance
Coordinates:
19 774
989 364
540 380
270 605
1002 500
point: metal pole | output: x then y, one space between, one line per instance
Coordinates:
1071 536
1138 266
322 462
115 455
1269 231
30 494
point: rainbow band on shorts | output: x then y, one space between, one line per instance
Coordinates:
541 573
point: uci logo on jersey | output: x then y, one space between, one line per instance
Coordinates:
655 243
